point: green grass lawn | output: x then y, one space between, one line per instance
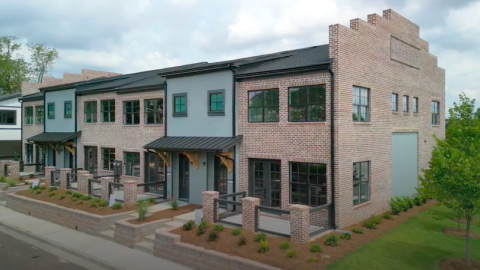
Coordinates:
416 244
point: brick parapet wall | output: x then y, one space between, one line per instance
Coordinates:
248 213
128 234
48 175
105 184
63 177
299 223
129 193
208 198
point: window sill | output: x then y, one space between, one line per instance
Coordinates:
216 113
415 114
307 123
179 115
362 205
363 123
131 125
436 126
106 123
406 114
153 125
28 125
90 123
264 123
130 176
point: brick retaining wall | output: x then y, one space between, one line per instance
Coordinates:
128 234
3 193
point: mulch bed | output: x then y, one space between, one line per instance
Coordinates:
461 233
67 202
457 264
276 257
167 213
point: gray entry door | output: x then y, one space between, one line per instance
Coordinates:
265 181
183 177
404 163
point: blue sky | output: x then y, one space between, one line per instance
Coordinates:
135 35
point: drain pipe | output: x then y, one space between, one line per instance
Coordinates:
332 141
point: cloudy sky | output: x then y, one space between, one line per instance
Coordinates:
135 35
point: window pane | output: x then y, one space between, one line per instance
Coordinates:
256 98
271 114
356 192
255 114
364 192
316 113
271 98
297 113
356 172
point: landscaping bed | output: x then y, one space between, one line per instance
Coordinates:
167 213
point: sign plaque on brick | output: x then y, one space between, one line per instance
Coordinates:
405 53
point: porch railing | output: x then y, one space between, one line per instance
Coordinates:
230 207
72 179
55 178
38 167
320 219
159 188
91 187
111 189
272 220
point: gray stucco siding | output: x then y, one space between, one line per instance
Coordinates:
404 163
60 123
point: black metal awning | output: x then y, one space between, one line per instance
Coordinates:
54 137
201 144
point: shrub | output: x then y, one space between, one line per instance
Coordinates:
260 237
77 195
357 231
346 236
86 198
369 225
332 240
315 248
142 209
291 254
174 203
79 202
2 179
38 191
42 187
117 206
191 222
408 201
51 193
31 174
151 200
212 236
218 227
396 205
187 226
11 182
312 259
69 192
52 188
284 245
242 240
97 200
263 247
93 204
101 203
387 215
202 227
61 197
35 187
417 199
375 219
203 224
236 231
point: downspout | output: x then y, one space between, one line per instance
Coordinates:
21 130
234 131
332 140
165 109
76 139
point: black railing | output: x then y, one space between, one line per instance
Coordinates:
320 219
272 220
92 182
232 205
72 178
39 167
111 186
159 188
55 178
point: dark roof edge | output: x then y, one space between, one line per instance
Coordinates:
123 91
10 96
57 87
28 98
198 70
320 66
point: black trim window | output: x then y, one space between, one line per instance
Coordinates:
154 111
39 117
132 163
90 110
361 110
107 108
263 106
108 156
308 183
361 180
405 104
307 104
435 113
67 112
394 102
415 105
29 153
216 102
8 117
51 110
28 115
180 105
131 112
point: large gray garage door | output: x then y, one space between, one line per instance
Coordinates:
404 163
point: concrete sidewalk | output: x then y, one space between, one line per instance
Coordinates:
92 250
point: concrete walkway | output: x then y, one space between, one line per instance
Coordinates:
88 251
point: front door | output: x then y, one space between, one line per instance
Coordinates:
154 172
265 181
183 177
91 159
39 159
221 176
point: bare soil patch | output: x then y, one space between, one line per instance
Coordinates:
462 232
167 213
458 264
67 202
227 243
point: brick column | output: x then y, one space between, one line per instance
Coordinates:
248 213
207 205
63 177
48 174
129 192
82 182
2 168
299 223
105 181
15 169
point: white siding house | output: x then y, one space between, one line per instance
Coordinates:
10 126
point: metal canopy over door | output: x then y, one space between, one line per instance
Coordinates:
155 172
404 163
91 158
265 181
183 177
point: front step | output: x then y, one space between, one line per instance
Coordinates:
150 238
185 217
107 235
145 247
172 224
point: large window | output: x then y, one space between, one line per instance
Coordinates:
132 163
107 108
108 156
180 105
51 110
8 117
131 112
361 179
308 183
39 115
29 153
67 110
360 104
263 106
405 104
435 113
415 105
394 102
90 110
154 111
306 104
216 102
28 115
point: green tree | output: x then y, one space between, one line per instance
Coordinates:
42 58
13 68
453 177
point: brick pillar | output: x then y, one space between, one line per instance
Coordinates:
105 181
207 205
248 213
2 168
48 175
299 223
63 177
129 192
15 169
82 182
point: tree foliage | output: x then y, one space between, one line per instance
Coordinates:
453 177
13 68
42 59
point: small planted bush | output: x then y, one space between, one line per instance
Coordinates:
370 225
77 195
332 240
237 231
61 197
315 248
79 202
191 222
284 245
408 201
103 203
312 259
51 193
263 247
417 199
387 215
38 191
117 206
69 192
2 179
42 187
291 254
151 200
93 204
31 174
242 240
260 237
97 200
202 227
86 198
218 228
357 231
52 188
174 204
11 182
375 219
187 226
212 236
74 199
346 236
142 210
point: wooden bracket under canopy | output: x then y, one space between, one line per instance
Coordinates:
226 158
193 157
165 156
70 146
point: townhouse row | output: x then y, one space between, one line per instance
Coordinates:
346 124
